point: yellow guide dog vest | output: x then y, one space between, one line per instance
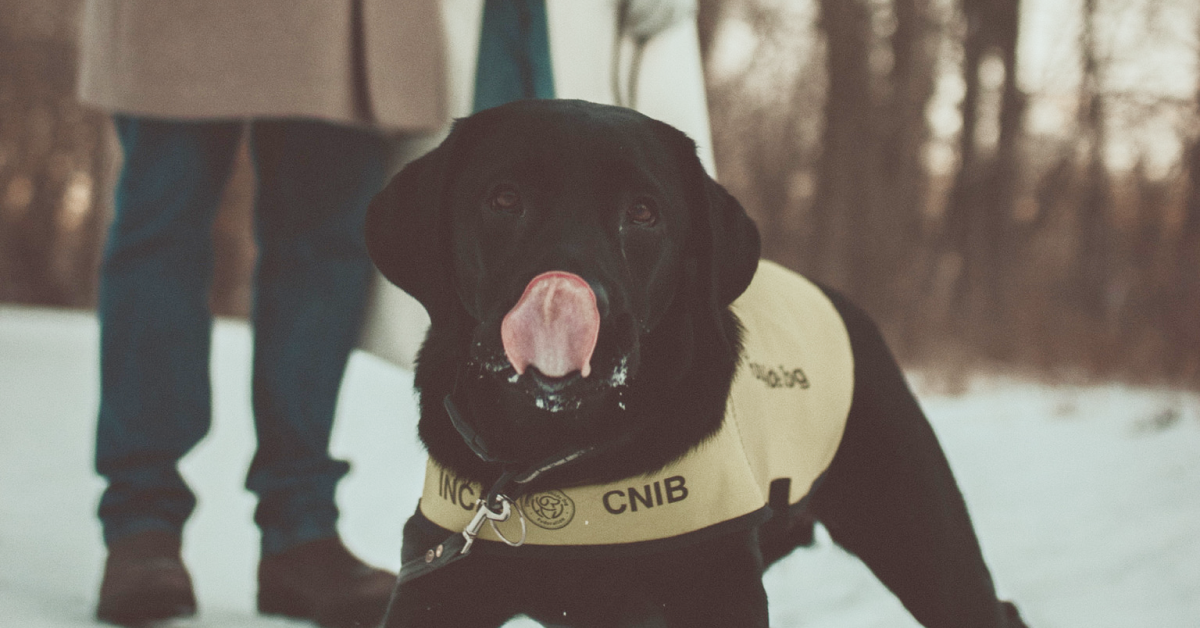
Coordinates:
784 419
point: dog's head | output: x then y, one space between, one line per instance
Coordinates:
577 263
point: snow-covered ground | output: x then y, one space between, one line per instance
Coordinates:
1086 499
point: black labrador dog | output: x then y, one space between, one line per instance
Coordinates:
603 348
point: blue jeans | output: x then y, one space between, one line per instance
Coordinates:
314 183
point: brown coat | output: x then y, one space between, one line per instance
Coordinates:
203 59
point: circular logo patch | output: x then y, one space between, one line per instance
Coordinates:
551 510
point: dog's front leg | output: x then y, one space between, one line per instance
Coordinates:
456 597
889 497
715 584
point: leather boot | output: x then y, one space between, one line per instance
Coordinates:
145 581
323 582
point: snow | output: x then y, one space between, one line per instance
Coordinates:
1086 499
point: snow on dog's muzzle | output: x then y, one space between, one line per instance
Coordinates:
553 327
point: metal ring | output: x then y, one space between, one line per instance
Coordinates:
504 538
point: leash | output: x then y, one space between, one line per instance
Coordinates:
498 504
495 507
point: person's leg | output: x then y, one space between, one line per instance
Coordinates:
154 340
315 181
155 324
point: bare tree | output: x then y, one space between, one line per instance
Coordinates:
766 131
1183 303
1094 214
914 46
978 227
844 231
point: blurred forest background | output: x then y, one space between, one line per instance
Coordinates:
1002 183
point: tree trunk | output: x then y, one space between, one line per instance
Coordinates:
961 207
1095 210
978 231
844 232
1183 308
905 178
998 241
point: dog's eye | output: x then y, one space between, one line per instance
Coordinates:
643 212
505 198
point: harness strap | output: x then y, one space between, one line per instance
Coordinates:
473 440
446 552
495 506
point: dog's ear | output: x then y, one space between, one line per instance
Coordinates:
727 265
724 242
405 230
723 251
733 240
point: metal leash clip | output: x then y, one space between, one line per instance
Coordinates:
520 515
483 513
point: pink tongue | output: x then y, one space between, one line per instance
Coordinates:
553 327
